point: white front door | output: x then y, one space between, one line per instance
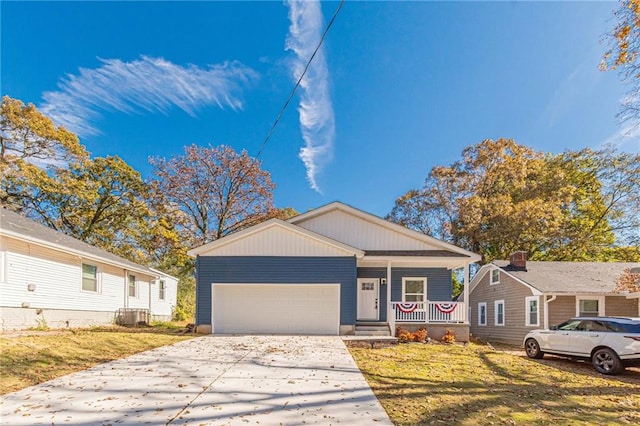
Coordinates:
368 299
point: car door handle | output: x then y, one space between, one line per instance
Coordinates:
594 335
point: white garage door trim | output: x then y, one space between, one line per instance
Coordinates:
284 314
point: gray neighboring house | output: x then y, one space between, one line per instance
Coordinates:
510 298
332 270
48 278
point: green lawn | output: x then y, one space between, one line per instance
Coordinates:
473 384
30 358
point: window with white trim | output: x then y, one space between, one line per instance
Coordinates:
531 309
89 277
414 289
133 289
590 306
3 266
499 312
495 276
162 287
482 313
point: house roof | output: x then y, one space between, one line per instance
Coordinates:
17 226
443 249
569 277
275 224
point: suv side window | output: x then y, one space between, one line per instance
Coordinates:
619 327
570 325
601 326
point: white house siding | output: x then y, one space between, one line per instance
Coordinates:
364 234
514 295
56 298
162 310
276 241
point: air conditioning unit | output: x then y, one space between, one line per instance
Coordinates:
130 317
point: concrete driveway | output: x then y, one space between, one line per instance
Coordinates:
269 380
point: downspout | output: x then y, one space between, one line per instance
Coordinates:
546 309
126 288
391 314
151 281
465 291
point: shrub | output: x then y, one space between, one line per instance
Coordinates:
449 336
420 335
405 335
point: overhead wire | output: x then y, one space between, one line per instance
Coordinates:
299 81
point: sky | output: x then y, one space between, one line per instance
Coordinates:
395 89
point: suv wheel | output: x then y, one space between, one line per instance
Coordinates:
532 348
606 361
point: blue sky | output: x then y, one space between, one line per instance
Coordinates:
397 88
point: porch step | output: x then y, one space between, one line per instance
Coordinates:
372 329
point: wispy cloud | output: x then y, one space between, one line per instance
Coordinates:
581 80
146 84
626 139
317 121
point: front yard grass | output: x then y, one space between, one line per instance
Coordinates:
29 358
474 384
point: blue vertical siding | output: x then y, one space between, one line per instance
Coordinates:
382 297
276 270
439 286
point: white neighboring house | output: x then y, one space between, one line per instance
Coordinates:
50 279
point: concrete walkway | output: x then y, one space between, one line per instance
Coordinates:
267 380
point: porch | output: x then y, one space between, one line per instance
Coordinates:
437 317
429 312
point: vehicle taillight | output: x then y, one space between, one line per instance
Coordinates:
636 338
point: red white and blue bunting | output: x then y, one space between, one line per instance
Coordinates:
446 307
407 308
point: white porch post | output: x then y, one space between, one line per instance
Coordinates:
391 315
466 293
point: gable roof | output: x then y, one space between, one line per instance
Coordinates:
280 226
568 277
17 226
439 248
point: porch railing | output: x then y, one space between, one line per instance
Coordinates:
429 312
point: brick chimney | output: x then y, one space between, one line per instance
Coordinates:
518 260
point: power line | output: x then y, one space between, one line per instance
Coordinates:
295 88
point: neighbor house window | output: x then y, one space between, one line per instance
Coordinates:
3 266
590 307
532 310
499 312
414 289
482 313
89 277
161 289
132 286
495 276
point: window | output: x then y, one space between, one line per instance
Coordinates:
3 266
570 325
414 289
590 307
531 311
499 312
495 276
132 286
482 313
89 277
161 289
368 286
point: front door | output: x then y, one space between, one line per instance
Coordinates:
368 299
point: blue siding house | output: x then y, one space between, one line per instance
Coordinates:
332 270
